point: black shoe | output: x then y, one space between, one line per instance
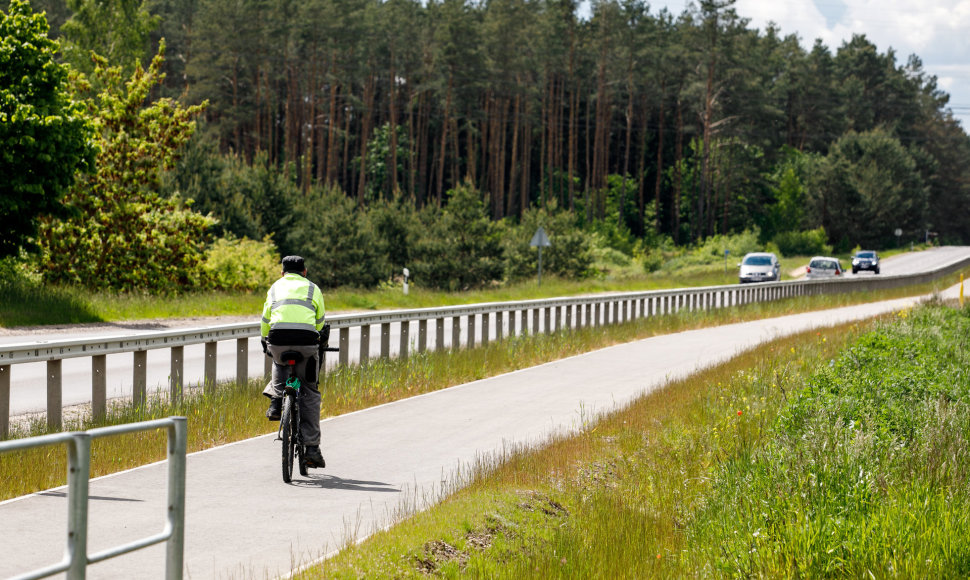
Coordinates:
311 453
275 409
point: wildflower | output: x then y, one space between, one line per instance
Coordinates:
739 413
793 350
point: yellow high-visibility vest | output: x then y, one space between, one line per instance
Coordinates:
293 303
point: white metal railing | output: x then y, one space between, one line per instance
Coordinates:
511 318
76 557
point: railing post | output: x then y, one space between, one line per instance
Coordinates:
54 396
139 375
4 401
548 319
385 340
455 333
536 313
344 355
242 361
78 474
405 339
175 547
422 335
512 314
364 344
524 320
210 366
439 333
485 327
569 317
176 378
99 386
470 321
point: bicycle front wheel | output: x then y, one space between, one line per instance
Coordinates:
288 436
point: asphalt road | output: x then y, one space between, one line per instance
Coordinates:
28 381
243 521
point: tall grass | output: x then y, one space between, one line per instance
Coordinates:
793 460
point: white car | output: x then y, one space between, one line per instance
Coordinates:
759 267
823 267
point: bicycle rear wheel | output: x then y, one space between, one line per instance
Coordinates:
288 435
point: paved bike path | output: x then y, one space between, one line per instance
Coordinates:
243 521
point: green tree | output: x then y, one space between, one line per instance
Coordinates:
338 243
865 188
122 234
118 30
45 138
456 247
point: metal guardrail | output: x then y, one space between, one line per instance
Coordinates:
511 318
76 557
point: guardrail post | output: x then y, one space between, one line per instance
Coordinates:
385 339
500 325
470 321
99 386
54 394
176 377
343 357
439 334
512 314
210 366
242 361
536 313
139 378
4 401
422 335
78 474
405 339
364 344
548 319
485 327
175 547
524 322
569 317
455 333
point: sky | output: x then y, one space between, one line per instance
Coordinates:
937 31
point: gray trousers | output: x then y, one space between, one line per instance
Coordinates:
309 395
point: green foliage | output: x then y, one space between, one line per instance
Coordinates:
26 300
45 138
711 250
805 243
242 264
122 234
569 256
866 470
117 30
378 159
249 200
865 188
393 222
338 243
457 247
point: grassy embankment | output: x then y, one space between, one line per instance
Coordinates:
27 303
233 413
838 453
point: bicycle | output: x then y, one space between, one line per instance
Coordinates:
289 432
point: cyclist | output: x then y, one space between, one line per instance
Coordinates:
293 320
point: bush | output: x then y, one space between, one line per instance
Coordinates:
234 264
711 250
805 243
336 240
457 247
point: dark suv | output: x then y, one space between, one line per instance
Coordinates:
865 260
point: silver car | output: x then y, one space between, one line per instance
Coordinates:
824 267
759 267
